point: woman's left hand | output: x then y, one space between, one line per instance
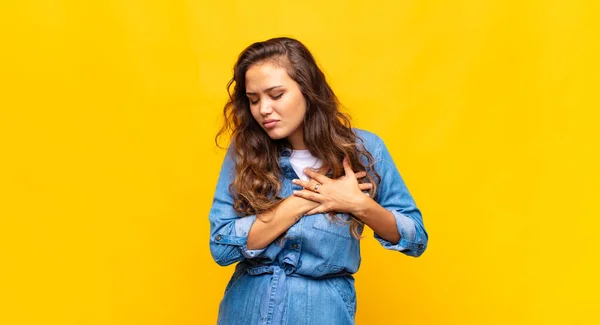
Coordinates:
343 194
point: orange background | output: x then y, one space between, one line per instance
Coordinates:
109 109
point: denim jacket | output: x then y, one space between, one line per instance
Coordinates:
315 246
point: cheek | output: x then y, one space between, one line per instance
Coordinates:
301 108
296 107
254 112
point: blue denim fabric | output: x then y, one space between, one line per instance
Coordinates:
307 277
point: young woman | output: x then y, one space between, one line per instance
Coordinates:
295 189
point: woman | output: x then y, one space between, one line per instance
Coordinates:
295 189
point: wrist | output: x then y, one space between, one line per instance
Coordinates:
302 205
360 205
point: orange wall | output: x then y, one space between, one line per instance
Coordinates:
109 108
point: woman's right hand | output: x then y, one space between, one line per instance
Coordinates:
309 205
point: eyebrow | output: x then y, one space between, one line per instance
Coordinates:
266 90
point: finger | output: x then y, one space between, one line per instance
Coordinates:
312 196
302 183
360 174
347 168
365 186
316 176
313 186
315 211
323 170
306 184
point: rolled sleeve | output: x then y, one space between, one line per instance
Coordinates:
242 228
228 231
393 195
408 236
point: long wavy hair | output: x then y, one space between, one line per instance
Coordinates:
328 134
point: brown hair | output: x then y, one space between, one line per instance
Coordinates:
327 131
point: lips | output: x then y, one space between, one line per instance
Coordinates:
269 124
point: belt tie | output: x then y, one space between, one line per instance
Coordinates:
273 300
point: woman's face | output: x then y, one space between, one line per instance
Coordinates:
276 102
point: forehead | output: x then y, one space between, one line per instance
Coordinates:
262 76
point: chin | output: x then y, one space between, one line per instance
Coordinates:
275 134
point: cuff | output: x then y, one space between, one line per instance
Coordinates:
406 228
242 228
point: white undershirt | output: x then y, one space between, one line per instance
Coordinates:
301 159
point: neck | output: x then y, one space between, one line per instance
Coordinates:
296 140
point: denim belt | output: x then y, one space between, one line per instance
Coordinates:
272 302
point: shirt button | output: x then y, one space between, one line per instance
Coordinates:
294 246
421 246
218 237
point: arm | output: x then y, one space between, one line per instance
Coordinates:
393 196
280 219
233 238
345 195
381 220
393 216
283 216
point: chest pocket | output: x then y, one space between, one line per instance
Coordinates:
340 228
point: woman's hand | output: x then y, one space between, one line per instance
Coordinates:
340 195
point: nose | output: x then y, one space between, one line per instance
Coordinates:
265 107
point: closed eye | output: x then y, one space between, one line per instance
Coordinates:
276 97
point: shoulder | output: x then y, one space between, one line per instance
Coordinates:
371 141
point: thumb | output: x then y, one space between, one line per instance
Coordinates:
347 168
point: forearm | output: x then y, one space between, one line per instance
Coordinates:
278 220
378 218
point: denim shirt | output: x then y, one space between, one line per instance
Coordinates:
315 246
